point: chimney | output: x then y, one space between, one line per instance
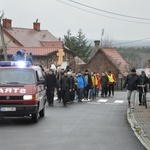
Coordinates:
97 43
36 26
7 23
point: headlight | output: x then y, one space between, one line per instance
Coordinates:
27 97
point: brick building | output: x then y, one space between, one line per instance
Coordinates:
105 60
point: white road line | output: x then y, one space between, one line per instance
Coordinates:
119 101
102 100
112 103
93 103
85 100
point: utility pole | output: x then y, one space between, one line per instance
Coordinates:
102 36
2 38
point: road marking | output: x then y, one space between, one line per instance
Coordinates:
119 101
102 100
112 103
86 100
93 103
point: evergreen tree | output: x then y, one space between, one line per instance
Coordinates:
78 44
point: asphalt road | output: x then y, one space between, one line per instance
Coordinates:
96 125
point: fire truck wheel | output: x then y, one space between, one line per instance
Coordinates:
35 117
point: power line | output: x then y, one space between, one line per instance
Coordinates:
111 18
108 11
131 42
101 14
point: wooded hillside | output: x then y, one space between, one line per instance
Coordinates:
136 56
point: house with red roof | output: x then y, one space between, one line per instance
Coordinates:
105 60
41 43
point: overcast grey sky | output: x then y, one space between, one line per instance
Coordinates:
58 17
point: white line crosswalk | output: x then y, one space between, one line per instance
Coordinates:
102 101
107 101
118 101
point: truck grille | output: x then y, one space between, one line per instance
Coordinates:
12 104
11 97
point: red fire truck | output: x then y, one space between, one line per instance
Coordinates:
22 90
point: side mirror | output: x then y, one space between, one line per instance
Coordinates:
42 81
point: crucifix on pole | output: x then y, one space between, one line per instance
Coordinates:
2 37
60 55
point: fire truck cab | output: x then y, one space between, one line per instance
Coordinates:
22 90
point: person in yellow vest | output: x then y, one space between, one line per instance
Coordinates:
94 84
112 81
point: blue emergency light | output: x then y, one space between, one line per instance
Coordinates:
20 64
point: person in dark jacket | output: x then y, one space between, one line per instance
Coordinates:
142 81
104 84
72 92
88 81
50 79
60 73
65 87
131 83
74 75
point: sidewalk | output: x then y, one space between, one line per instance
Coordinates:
139 119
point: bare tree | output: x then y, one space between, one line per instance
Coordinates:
107 42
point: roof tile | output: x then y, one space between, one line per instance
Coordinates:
117 60
30 37
36 51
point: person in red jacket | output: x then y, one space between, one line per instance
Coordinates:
112 81
98 84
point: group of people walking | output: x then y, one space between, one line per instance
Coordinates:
81 85
87 85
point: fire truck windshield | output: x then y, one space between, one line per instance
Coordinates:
16 76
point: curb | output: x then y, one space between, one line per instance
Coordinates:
137 129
